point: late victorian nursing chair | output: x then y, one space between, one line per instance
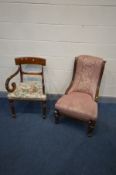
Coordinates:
31 86
80 99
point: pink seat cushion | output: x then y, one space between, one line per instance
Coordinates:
78 105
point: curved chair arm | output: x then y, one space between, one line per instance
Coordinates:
12 84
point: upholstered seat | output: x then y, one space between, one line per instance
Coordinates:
81 96
78 105
28 91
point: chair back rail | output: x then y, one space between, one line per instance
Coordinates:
30 60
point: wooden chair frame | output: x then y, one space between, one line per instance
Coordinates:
91 123
11 87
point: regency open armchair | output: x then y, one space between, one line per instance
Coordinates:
31 85
80 99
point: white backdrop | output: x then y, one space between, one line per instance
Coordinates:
58 30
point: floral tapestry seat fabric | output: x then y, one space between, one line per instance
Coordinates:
80 99
29 90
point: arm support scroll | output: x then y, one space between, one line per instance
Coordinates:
13 85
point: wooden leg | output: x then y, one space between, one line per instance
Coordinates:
91 126
56 115
44 109
11 102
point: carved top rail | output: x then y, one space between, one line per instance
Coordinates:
30 60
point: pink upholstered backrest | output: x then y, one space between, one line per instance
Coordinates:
87 74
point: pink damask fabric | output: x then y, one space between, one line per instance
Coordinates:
78 105
88 69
